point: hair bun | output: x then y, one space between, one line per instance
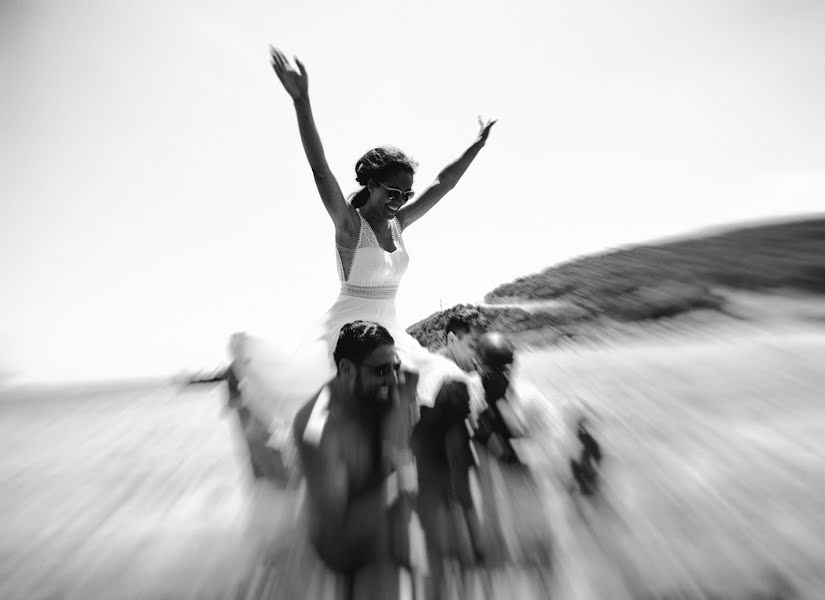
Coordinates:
380 161
360 172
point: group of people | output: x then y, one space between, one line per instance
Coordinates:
418 471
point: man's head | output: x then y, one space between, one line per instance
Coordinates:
366 360
496 355
462 331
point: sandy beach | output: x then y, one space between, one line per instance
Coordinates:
713 471
120 494
714 486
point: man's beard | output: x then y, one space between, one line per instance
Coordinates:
368 398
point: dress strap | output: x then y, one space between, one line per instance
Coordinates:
368 239
360 229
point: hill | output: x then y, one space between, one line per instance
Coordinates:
651 282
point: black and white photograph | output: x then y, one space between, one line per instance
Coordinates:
460 300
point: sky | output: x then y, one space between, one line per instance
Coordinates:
154 196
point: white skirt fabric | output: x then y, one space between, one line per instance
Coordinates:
276 379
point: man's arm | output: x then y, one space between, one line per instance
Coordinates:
348 529
353 529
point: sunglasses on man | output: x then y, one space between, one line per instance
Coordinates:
382 370
395 195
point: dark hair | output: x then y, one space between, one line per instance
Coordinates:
495 350
377 164
464 320
357 339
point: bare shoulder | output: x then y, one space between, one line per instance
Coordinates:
299 424
304 420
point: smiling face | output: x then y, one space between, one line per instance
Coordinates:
375 377
389 194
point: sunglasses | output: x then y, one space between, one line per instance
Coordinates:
383 370
395 194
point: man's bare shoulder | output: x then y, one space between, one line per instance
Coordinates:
308 417
302 416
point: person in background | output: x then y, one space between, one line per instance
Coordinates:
449 497
586 468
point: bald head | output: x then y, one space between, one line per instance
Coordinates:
495 350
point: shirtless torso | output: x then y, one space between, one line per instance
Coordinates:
347 458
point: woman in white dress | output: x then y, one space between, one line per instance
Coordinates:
371 257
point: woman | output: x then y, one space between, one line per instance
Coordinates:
371 257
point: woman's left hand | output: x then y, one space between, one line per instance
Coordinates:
484 129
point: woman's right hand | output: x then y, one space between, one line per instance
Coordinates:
295 81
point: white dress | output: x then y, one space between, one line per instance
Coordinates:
277 381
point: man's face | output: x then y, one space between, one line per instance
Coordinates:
376 376
463 348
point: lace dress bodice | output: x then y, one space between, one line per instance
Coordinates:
374 272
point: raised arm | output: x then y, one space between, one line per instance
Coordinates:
295 82
446 180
